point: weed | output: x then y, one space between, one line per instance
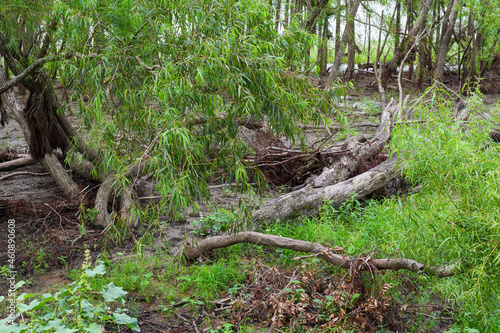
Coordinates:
70 309
220 222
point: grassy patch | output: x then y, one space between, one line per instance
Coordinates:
454 219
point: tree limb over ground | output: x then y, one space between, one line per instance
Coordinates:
322 252
333 184
308 200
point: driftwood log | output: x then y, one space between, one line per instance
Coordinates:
334 183
327 254
307 201
17 163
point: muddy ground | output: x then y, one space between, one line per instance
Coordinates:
50 238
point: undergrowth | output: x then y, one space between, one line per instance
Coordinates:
452 220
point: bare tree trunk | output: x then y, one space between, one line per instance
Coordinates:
337 27
391 65
313 16
369 18
449 20
340 54
378 69
471 65
286 19
277 19
409 23
323 46
49 161
398 25
422 58
351 51
309 199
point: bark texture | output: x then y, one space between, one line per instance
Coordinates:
17 163
339 54
449 20
327 254
308 200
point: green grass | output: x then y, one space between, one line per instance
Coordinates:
454 219
152 277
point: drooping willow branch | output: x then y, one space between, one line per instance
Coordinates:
322 252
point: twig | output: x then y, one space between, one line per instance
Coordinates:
304 257
224 185
19 173
60 217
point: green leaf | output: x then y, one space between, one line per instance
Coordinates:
62 329
15 328
25 308
86 305
93 328
125 319
57 325
112 292
98 270
19 284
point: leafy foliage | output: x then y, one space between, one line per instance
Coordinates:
70 309
452 220
167 82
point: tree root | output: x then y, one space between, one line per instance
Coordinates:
322 252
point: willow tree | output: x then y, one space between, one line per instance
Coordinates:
162 87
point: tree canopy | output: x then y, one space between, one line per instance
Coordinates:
166 83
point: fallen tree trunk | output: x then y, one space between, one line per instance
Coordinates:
322 252
359 151
307 201
17 163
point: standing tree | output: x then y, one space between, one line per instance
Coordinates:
161 86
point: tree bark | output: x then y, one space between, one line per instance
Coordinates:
337 28
49 160
449 20
311 22
351 47
308 200
339 55
278 10
325 253
103 217
391 65
17 163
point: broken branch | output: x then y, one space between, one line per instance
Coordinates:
323 252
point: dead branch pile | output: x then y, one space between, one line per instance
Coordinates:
303 299
291 167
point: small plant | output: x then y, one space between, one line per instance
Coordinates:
71 309
86 214
220 222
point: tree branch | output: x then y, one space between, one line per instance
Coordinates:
37 63
322 252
